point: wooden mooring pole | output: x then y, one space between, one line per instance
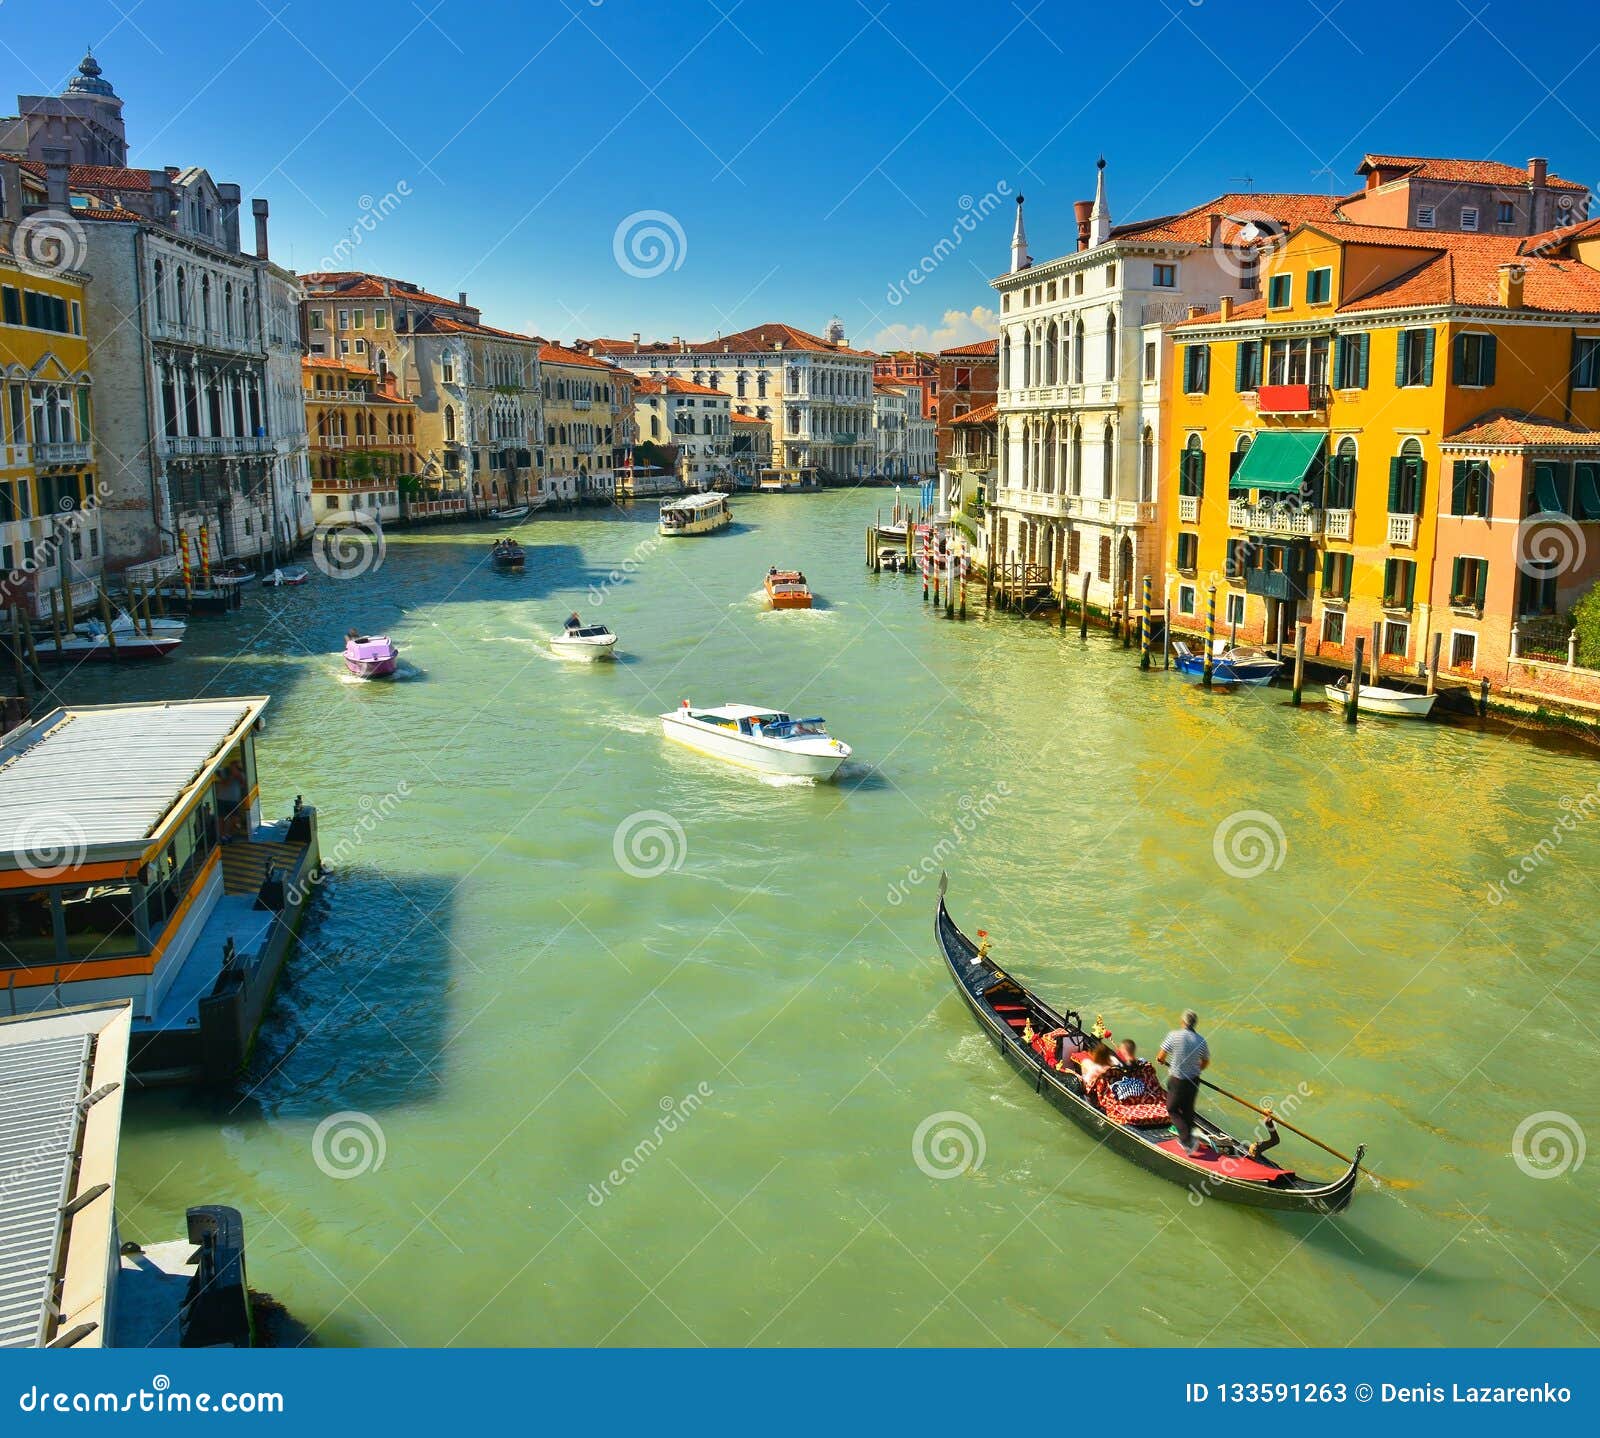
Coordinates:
1433 662
1144 626
1083 607
1299 659
1207 659
1166 634
1352 700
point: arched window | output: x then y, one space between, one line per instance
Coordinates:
227 309
1340 491
1108 459
1076 457
450 423
1077 353
161 293
740 384
1407 479
1111 348
1147 466
205 301
1052 345
183 298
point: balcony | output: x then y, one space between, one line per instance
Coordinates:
582 404
214 445
1189 509
1295 520
1291 398
55 451
1338 523
1403 529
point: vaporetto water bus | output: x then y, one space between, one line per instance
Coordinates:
695 514
757 738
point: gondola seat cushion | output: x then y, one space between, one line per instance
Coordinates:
1141 1102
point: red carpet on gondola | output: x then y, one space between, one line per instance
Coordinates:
1247 1169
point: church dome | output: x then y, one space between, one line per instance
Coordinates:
87 81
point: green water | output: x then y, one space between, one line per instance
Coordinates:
514 1012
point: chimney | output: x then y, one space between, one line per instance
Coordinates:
1195 311
1081 211
636 337
1511 277
1538 170
1213 229
677 342
461 298
258 208
1224 305
56 170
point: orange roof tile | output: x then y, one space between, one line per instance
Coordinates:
1470 172
108 177
449 325
758 337
983 414
1515 429
750 419
978 350
356 284
1193 226
559 354
673 385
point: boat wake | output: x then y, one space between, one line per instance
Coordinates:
631 723
788 781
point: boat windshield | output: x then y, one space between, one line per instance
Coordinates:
592 631
787 728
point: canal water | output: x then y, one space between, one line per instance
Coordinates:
591 1040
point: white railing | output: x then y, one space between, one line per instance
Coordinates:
1300 521
1133 511
1189 509
216 444
58 451
1338 523
1238 515
1403 529
583 404
15 456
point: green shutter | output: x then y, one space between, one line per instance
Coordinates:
1419 471
1483 582
1341 350
1485 487
1327 572
1239 385
1460 472
1427 356
1490 345
1394 485
1458 365
1204 363
1388 579
1411 582
1199 471
1401 345
1457 570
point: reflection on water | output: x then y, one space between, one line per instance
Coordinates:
486 983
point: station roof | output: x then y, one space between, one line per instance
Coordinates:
98 783
61 1081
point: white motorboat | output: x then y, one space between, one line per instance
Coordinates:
124 623
1374 699
588 641
757 738
697 514
517 511
289 578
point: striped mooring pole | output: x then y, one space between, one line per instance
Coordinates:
1211 636
183 550
205 557
1144 625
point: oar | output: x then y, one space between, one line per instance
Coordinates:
1267 1113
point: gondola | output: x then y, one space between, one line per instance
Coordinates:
1005 1010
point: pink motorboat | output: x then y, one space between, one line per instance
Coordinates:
370 656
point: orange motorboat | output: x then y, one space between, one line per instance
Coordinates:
787 589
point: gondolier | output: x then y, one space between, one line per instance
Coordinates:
1187 1055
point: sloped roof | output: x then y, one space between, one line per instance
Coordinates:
450 325
1516 429
673 385
990 348
559 354
357 284
757 337
1236 209
1469 172
983 414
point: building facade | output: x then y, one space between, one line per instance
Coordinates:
1083 361
587 414
692 419
970 467
967 379
815 390
750 448
1395 442
362 439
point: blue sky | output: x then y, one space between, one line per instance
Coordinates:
796 160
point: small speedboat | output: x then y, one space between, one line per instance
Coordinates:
764 739
91 642
787 589
233 575
586 641
370 656
1374 699
517 511
286 578
124 623
507 554
893 559
1228 666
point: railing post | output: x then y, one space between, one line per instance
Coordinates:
1516 640
1572 650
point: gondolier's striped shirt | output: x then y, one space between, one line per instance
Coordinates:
1185 1048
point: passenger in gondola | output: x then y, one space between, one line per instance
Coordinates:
1100 1059
1128 1052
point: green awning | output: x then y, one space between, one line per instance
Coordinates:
1278 460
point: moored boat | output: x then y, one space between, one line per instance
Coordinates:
787 589
758 738
506 554
585 641
370 656
694 514
124 623
91 642
1019 1024
1375 699
1228 666
516 511
233 575
289 578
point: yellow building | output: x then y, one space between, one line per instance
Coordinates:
1340 452
50 526
588 423
363 438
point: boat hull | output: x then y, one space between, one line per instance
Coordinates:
751 753
1392 702
709 525
97 651
1226 672
972 974
581 649
372 668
